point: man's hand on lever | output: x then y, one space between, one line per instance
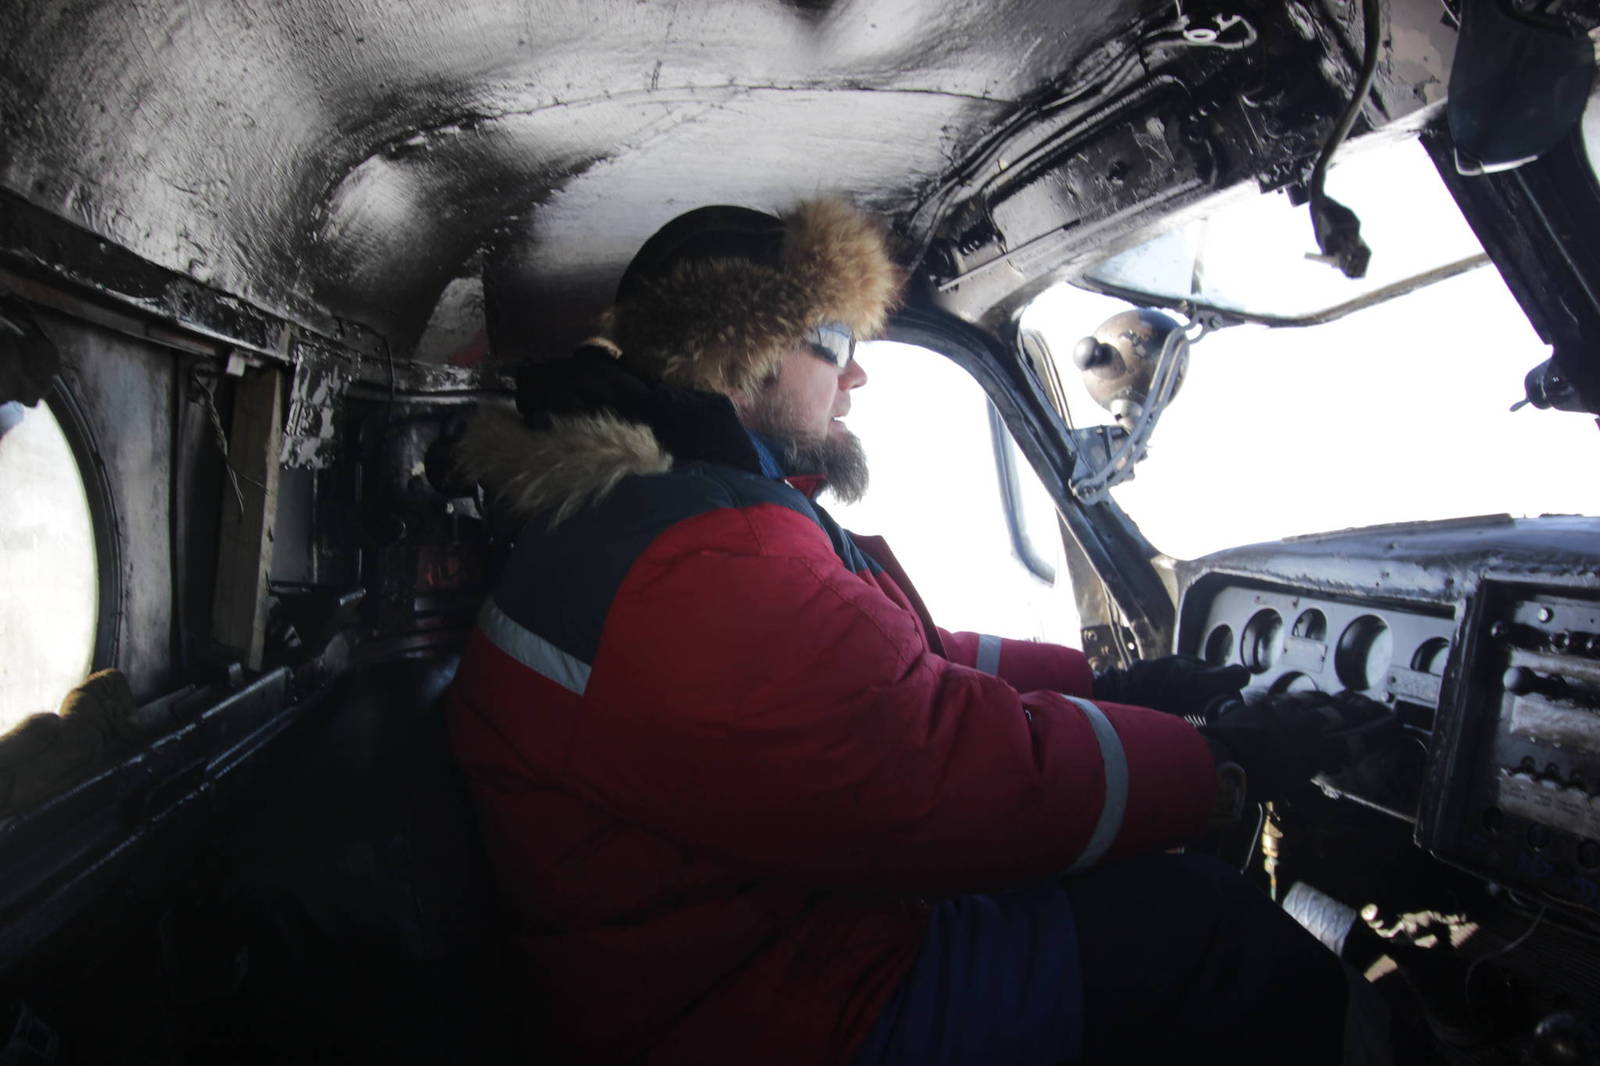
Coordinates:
1280 742
1184 685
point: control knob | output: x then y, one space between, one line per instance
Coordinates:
1576 643
1520 681
1518 636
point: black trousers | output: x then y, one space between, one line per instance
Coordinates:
1184 961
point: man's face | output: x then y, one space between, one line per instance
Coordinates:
803 411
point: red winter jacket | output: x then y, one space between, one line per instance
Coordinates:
722 762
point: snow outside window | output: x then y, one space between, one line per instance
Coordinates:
49 597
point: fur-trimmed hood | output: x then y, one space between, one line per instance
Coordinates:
572 463
586 423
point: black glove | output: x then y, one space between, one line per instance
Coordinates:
1185 685
1281 742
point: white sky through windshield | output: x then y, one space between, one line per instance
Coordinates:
1395 413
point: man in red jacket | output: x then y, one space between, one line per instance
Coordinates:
751 805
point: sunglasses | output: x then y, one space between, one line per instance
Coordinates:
832 341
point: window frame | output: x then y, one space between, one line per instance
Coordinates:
103 518
1011 500
1108 560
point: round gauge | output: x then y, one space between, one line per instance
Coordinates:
1262 640
1365 648
1431 656
1293 681
1311 625
1219 646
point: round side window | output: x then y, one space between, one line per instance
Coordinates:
49 573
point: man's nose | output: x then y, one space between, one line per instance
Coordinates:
854 376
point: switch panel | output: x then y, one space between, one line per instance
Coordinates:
1514 782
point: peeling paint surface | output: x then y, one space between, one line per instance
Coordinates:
321 379
354 156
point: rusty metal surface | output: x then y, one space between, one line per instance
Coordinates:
353 158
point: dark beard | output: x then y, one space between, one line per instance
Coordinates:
837 456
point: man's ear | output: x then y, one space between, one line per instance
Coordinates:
745 400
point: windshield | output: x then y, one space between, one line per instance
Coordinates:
1398 412
937 495
1252 254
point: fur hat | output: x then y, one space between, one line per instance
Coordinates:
717 296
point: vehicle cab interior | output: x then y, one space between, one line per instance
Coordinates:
261 264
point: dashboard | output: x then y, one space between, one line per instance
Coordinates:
1483 634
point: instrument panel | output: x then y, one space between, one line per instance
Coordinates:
1292 641
1482 634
